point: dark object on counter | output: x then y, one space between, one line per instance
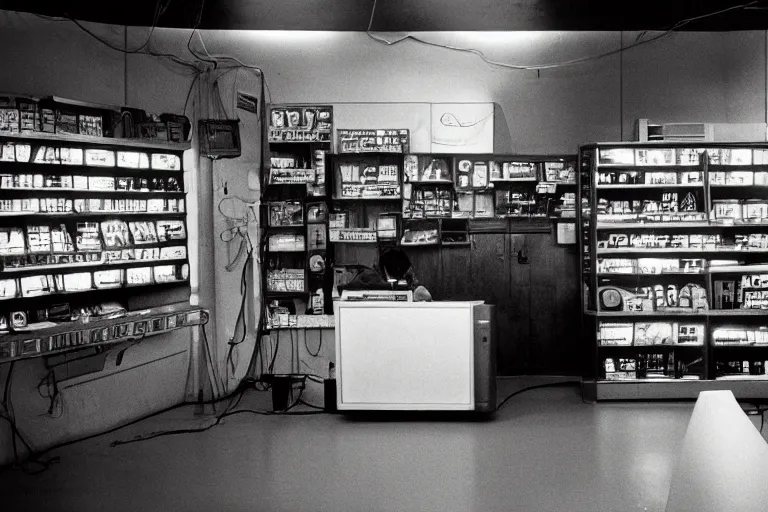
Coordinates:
393 272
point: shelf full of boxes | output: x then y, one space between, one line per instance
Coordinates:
88 223
294 216
438 195
674 250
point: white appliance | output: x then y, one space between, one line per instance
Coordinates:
429 356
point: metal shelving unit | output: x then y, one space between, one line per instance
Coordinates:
646 305
41 242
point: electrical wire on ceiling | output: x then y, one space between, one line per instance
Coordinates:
192 34
538 67
144 49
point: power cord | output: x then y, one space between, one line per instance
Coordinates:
35 456
567 383
319 348
194 29
538 67
219 418
9 416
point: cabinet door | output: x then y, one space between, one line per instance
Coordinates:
456 275
519 303
489 281
554 307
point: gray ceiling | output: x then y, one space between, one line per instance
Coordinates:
413 15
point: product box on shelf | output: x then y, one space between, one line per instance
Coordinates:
614 333
373 141
732 335
619 368
280 242
562 172
286 280
29 115
9 120
357 235
616 156
11 241
168 230
426 168
286 213
300 124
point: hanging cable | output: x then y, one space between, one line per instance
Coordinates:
533 67
225 414
320 346
106 43
194 29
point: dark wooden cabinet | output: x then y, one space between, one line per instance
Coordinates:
537 306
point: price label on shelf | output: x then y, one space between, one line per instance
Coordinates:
352 235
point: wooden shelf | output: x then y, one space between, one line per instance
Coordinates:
603 186
701 313
92 215
47 192
367 199
740 346
742 378
22 303
287 294
651 348
430 244
738 224
636 314
735 269
90 266
640 275
84 170
732 185
690 250
738 312
652 168
102 141
605 226
516 180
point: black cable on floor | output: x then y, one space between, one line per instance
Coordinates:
302 402
35 455
226 414
566 383
9 416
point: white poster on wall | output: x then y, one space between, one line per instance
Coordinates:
462 127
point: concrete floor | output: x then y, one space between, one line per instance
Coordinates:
544 450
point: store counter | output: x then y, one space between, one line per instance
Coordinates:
431 356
